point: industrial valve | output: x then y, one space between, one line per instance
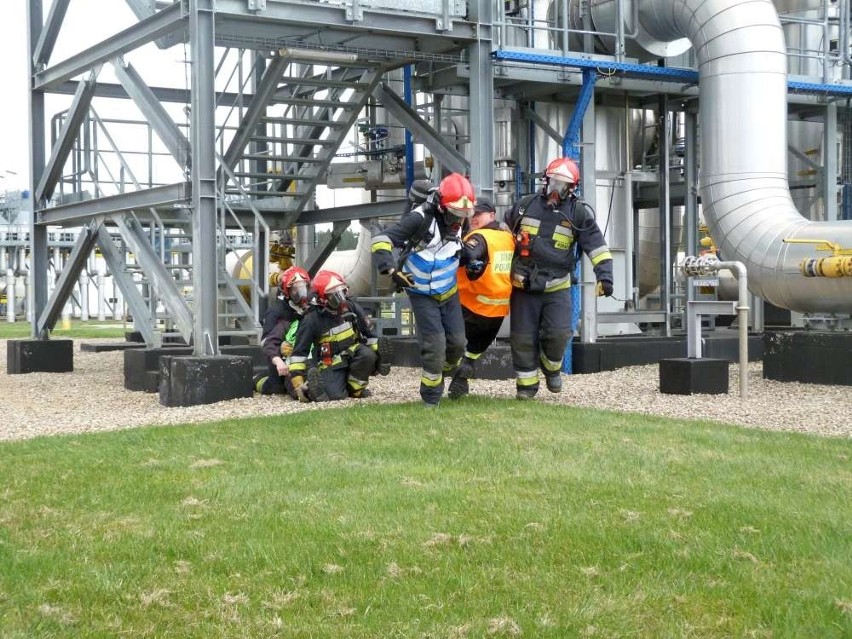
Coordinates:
838 265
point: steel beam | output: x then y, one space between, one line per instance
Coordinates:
320 255
204 272
67 136
163 124
420 129
47 39
67 280
138 308
38 234
142 199
482 100
160 279
160 24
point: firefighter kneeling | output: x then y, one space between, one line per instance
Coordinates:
340 335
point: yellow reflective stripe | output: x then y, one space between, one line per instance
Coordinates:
597 259
527 379
558 287
473 356
297 367
356 384
550 365
346 333
381 246
446 294
492 301
431 379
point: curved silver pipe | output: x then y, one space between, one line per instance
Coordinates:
742 67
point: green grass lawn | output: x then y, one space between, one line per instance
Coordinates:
486 518
77 329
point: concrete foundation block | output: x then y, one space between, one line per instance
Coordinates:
192 380
690 376
39 356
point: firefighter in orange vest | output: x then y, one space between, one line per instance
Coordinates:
485 287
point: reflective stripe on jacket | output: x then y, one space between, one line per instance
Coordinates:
433 266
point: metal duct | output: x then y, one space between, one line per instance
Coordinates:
744 190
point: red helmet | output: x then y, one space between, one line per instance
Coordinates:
456 197
331 289
294 285
562 177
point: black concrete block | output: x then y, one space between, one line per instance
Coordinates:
496 362
810 357
247 350
140 361
103 347
191 380
39 356
134 336
690 376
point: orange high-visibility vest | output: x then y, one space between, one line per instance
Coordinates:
488 295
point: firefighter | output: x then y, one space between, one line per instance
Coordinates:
428 237
279 328
549 227
484 288
343 341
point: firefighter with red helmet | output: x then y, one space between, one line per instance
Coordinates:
484 288
428 238
279 328
550 228
339 335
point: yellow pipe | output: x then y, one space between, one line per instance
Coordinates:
835 266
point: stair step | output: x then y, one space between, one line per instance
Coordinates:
302 122
326 83
288 140
314 102
283 158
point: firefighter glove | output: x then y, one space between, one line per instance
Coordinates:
402 280
604 288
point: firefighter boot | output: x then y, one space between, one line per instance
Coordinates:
385 352
316 387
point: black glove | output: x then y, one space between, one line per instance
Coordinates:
604 288
402 280
475 268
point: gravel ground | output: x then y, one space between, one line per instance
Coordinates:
93 398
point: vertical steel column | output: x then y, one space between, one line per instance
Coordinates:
665 211
588 292
38 233
691 194
829 167
409 142
204 272
482 101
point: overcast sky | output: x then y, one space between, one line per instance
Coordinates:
86 23
14 150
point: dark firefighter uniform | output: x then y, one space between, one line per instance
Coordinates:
279 328
545 255
344 346
431 249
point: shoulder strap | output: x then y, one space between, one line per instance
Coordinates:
523 204
415 239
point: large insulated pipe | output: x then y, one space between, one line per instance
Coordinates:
744 190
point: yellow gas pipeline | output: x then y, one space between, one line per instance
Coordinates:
838 265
